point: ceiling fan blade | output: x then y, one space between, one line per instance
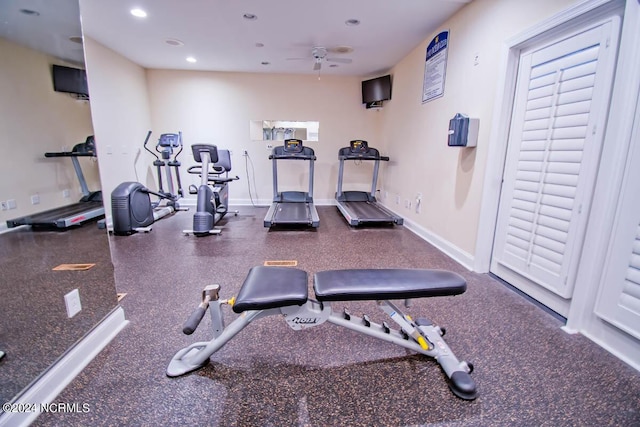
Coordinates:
317 66
341 60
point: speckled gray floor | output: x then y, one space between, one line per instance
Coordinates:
528 371
34 328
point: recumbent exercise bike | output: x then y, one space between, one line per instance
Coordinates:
213 192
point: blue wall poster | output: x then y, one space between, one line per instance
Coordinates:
435 67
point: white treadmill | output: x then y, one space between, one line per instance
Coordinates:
360 207
292 208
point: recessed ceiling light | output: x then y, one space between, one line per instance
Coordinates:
139 13
30 12
352 22
265 62
250 16
259 44
191 59
76 39
174 42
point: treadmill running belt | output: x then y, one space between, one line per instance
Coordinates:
292 213
62 217
367 212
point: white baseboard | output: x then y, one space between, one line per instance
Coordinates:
443 245
462 257
49 385
259 202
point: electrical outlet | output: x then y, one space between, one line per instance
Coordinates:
3 205
418 202
397 200
35 199
407 204
269 146
66 193
11 203
72 302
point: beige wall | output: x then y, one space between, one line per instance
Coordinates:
121 116
216 108
415 134
35 119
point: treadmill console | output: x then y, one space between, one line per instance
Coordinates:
358 146
293 146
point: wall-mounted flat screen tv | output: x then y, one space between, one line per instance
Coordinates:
70 80
376 90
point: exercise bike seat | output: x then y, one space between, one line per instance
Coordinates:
386 284
271 287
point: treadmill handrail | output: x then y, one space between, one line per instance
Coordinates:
363 157
70 154
291 156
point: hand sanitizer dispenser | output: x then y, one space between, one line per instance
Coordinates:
463 131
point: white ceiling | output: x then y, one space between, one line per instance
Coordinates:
216 34
48 32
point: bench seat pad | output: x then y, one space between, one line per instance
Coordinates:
384 284
271 287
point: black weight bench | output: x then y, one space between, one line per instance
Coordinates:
284 291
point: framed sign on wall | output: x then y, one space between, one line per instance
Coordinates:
435 67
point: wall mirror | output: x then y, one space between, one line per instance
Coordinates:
279 130
35 328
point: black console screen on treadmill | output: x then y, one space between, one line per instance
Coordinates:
293 146
359 146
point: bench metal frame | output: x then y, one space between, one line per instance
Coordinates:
421 335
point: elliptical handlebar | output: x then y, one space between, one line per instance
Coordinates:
146 148
175 158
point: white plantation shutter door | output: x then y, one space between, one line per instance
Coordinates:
559 112
618 299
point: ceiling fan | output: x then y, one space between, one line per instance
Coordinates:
319 54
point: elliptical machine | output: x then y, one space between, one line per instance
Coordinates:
166 145
131 206
212 202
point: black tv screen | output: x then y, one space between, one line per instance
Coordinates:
70 80
375 90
